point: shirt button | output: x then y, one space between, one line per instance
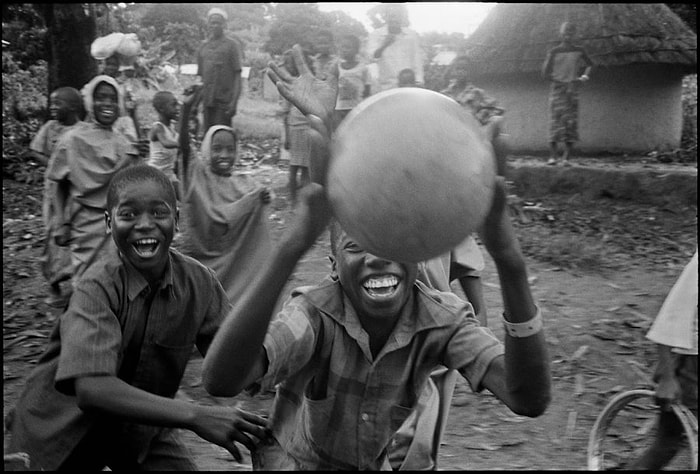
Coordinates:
365 417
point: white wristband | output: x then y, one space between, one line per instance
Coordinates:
526 329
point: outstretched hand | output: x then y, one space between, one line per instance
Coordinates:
312 96
227 426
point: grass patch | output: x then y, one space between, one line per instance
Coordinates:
258 118
565 251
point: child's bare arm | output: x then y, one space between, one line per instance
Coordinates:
191 98
235 358
163 138
224 426
522 378
40 157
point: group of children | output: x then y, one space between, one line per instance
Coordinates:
349 357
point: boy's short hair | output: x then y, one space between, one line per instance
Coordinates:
139 174
74 99
160 98
354 40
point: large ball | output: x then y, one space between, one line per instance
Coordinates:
411 174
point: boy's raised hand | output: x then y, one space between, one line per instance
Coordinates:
311 216
227 426
312 96
192 95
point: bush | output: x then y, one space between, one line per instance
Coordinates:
24 106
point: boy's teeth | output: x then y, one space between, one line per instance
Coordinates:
146 247
383 282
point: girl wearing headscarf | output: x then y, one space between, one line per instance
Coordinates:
84 161
224 222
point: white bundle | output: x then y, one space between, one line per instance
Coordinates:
130 45
127 45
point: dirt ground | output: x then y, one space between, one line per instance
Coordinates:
596 308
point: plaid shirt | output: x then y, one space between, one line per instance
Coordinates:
337 406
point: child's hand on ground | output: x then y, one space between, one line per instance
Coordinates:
226 426
265 196
306 92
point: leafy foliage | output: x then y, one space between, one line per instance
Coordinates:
183 39
160 15
25 32
23 110
301 23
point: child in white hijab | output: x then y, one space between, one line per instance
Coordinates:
224 219
84 161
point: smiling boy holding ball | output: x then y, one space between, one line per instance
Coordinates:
352 354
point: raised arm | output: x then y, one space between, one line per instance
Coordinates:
522 378
192 97
236 357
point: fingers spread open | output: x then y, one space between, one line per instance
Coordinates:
275 73
298 54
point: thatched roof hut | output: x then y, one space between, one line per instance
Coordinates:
632 103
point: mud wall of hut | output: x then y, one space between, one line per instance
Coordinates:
622 110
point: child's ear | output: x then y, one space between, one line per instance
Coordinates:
108 222
334 270
177 219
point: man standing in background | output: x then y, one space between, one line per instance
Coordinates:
219 66
394 47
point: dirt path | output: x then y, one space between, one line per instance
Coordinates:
595 324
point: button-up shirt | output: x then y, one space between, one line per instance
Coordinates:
337 406
218 60
113 305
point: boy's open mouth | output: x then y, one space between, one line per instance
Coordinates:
146 248
383 286
223 164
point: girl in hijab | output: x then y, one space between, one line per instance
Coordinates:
224 222
82 164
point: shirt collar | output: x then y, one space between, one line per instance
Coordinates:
136 282
425 310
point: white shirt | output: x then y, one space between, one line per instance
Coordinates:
404 53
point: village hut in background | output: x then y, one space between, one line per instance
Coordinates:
632 102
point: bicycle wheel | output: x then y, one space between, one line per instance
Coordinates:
626 426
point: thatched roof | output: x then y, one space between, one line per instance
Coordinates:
515 37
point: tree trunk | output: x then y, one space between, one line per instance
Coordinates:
70 32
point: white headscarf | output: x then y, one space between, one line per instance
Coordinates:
88 92
205 149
